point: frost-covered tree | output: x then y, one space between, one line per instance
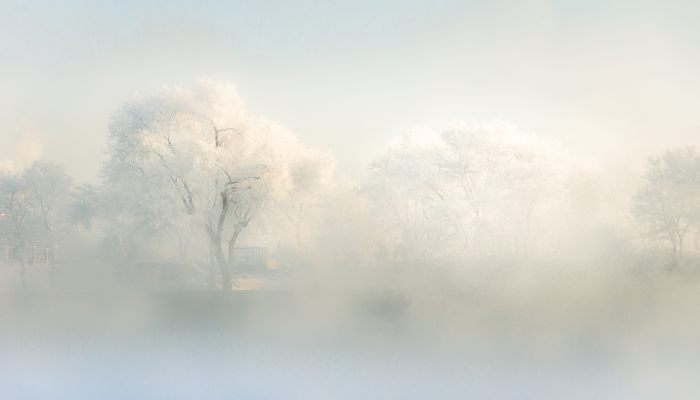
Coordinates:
473 190
33 206
406 196
49 188
668 203
194 160
15 213
311 174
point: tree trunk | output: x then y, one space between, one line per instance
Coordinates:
212 268
223 268
225 278
215 236
232 244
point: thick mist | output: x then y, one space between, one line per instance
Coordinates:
369 201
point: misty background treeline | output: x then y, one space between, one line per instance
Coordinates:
190 175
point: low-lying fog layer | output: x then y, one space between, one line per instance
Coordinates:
560 335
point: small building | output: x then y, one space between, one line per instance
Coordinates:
30 268
35 253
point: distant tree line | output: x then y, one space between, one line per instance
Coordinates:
195 169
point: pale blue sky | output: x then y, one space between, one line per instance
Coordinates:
348 75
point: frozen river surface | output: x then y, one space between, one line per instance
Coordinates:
283 346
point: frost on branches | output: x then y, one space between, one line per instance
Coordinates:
199 163
471 191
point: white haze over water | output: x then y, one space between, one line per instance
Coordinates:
454 200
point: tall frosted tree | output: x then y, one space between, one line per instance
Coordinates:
668 203
472 190
194 160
